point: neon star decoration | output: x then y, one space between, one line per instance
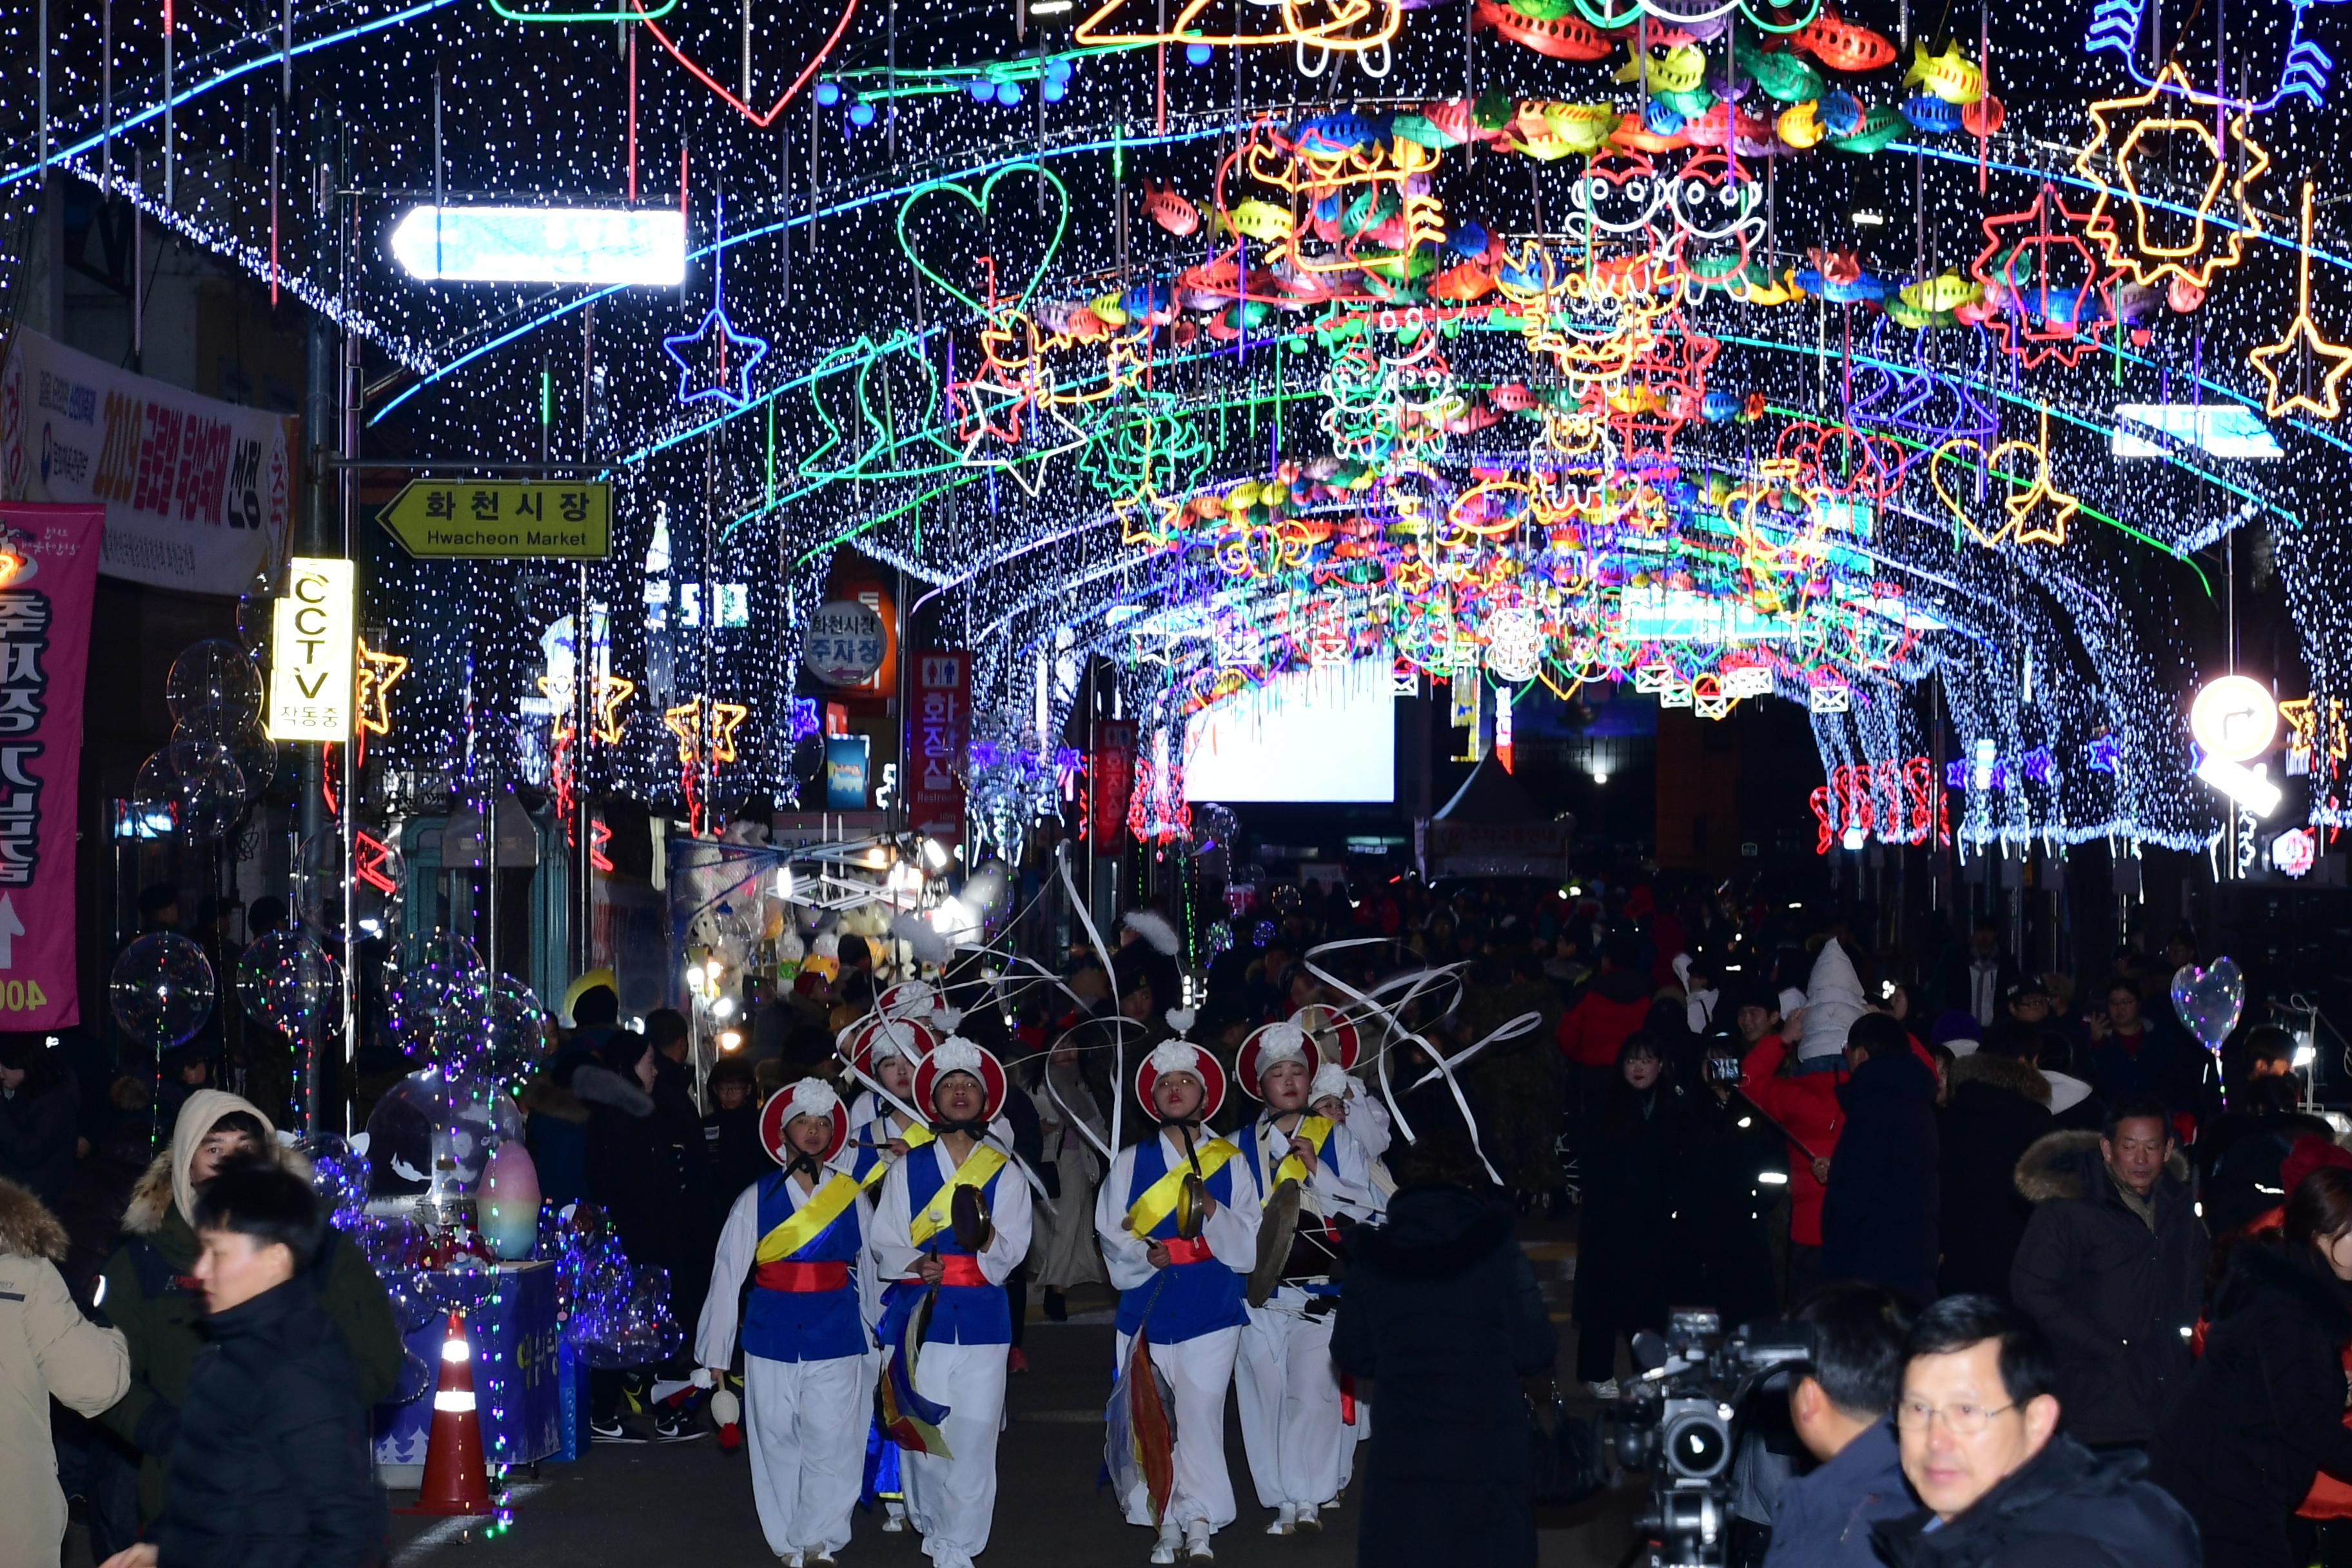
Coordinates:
377 673
2300 347
692 721
2154 139
722 358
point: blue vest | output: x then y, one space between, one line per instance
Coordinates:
962 1315
1189 1300
806 1325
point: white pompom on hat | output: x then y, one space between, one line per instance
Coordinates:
1330 1083
806 1096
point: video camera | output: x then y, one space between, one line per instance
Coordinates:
1679 1419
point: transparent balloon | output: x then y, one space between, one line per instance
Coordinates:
255 608
512 1031
287 981
198 790
432 1131
416 1375
244 738
161 990
215 673
378 874
337 1175
433 1006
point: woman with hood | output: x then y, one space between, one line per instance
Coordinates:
1439 1321
2262 1412
148 1293
637 1176
47 1349
1623 1248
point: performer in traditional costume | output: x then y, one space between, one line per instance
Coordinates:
1293 1425
953 1221
885 1050
799 1235
1178 1219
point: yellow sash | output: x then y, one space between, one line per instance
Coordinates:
821 1208
914 1138
1313 1129
1159 1200
939 1214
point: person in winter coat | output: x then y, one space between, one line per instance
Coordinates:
636 1175
47 1350
1978 1423
1802 1099
1842 1408
1997 1107
1615 1004
150 1297
2263 1414
2240 1153
272 1468
1623 1240
38 1110
1879 1211
2112 1269
1725 1168
1441 1322
730 1132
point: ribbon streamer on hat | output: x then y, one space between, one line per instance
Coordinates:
1444 1065
1119 1046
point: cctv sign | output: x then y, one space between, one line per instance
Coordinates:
310 686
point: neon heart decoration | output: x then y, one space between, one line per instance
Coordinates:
1936 478
661 36
977 204
2208 1000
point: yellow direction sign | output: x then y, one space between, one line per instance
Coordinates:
459 520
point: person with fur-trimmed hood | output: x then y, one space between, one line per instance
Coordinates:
1291 1425
47 1350
1179 1273
2112 1269
150 1296
1998 1107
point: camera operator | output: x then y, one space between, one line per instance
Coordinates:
1839 1407
2004 1488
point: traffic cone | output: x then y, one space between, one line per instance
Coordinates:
454 1481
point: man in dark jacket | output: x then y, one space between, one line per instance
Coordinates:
2004 1486
1842 1411
149 1297
1997 1107
1439 1320
2135 1055
1879 1213
272 1468
2112 1269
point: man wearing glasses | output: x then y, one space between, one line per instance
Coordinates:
1977 1427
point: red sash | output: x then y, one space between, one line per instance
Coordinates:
1184 1250
801 1277
962 1269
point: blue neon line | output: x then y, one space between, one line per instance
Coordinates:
275 57
869 199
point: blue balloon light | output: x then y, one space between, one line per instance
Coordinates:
1054 91
861 115
1196 53
980 90
828 93
1008 93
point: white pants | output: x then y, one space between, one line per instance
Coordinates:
1198 1370
952 1500
1299 1450
806 1421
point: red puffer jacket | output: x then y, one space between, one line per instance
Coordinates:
1806 1105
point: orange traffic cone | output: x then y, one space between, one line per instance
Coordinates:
454 1481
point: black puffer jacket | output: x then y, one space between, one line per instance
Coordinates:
1879 1213
2115 1294
2064 1508
1442 1315
2264 1412
272 1468
1998 1107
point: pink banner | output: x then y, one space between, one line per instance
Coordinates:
48 572
942 729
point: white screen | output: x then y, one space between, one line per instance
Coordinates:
1315 734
